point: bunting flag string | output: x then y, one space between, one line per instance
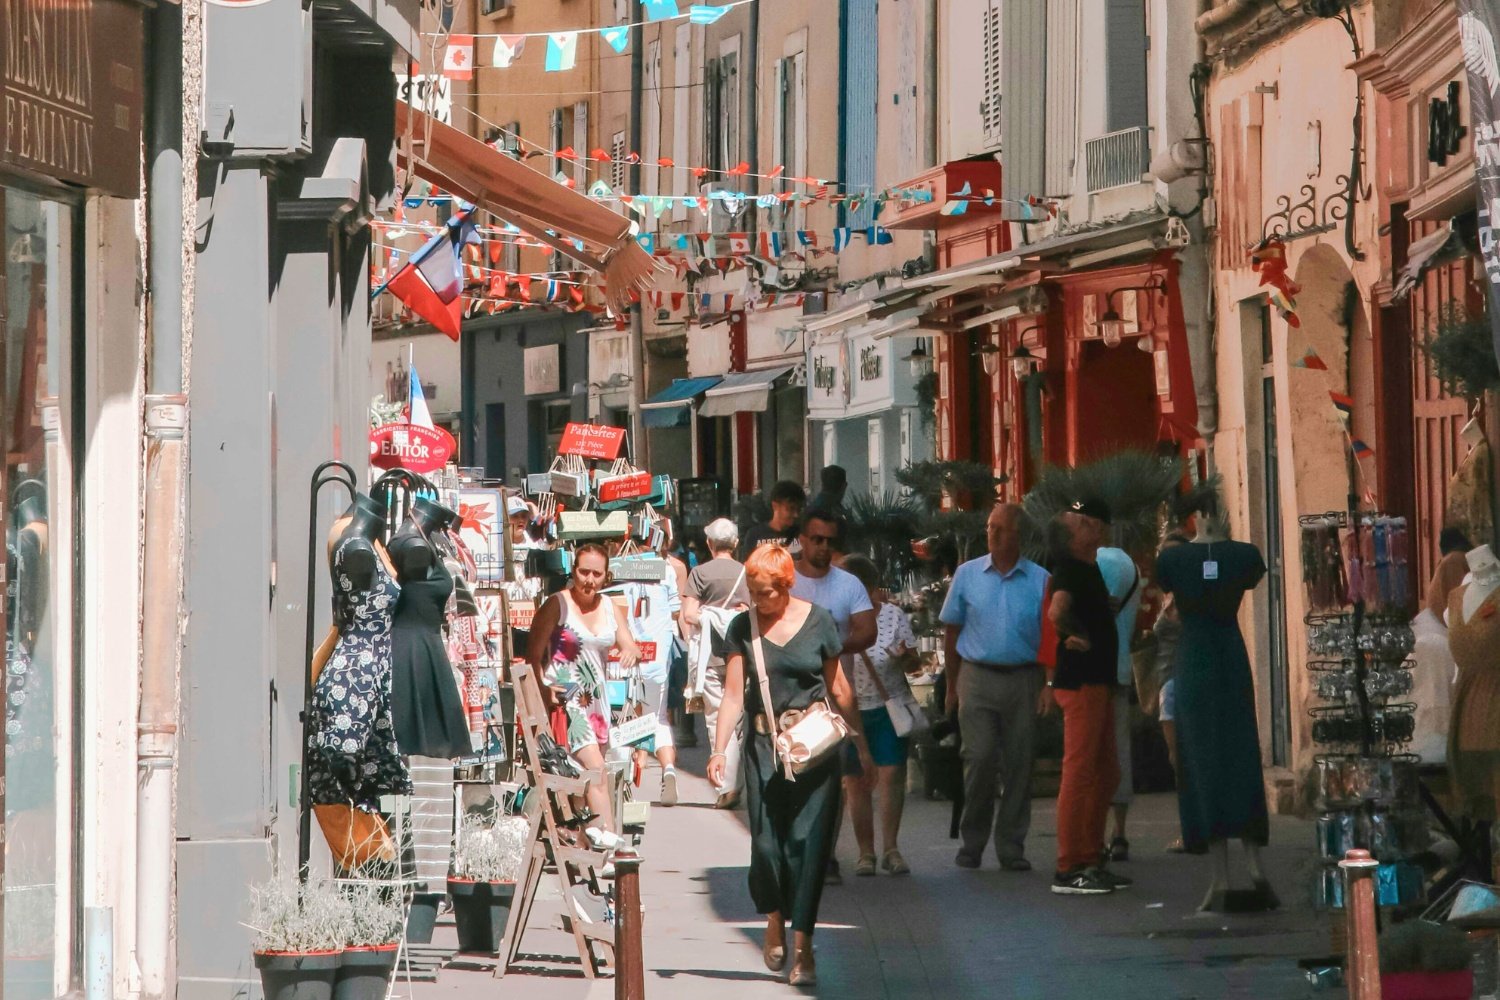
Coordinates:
656 12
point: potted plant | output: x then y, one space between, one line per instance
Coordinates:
299 937
483 883
1421 960
374 920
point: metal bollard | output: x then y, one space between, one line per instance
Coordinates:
630 966
1362 960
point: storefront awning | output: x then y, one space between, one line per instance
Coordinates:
1441 247
741 392
463 166
669 408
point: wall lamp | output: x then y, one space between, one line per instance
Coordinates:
1111 325
1022 361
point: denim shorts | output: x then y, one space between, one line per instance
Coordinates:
1168 701
887 749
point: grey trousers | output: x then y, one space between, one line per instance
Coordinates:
997 713
713 697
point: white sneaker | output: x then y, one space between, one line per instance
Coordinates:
603 840
669 787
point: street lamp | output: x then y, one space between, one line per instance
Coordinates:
919 359
989 357
1021 359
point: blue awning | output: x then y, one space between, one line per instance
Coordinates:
669 408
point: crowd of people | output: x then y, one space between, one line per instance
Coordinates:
780 631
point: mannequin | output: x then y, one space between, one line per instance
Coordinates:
1474 732
30 755
352 758
1221 791
429 710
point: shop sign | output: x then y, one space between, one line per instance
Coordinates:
479 530
72 83
411 446
1444 130
542 370
1478 26
825 376
870 363
592 441
628 486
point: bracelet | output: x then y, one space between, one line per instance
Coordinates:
718 753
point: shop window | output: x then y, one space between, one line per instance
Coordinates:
37 390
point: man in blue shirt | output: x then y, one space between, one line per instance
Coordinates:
992 627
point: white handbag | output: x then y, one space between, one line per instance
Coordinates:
907 717
802 739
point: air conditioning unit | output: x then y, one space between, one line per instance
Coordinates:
726 215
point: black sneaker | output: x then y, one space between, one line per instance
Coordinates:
1110 879
1080 882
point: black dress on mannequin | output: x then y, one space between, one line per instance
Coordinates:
430 717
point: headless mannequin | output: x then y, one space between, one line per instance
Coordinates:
1484 579
30 544
412 549
354 836
1219 897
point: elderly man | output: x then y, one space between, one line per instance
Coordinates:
716 592
1083 684
992 625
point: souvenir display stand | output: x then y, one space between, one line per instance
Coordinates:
1367 791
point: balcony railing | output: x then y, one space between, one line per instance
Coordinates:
1116 159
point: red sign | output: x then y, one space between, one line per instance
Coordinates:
634 484
592 441
411 446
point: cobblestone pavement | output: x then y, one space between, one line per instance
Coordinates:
942 932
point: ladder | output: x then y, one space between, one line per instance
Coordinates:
575 864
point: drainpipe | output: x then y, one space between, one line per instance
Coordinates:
930 133
177 53
641 445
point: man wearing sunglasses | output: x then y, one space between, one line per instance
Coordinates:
822 583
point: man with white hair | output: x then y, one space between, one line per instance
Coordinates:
716 592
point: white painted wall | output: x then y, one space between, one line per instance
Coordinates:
960 79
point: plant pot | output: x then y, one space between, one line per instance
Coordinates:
365 973
480 910
294 976
1427 985
421 918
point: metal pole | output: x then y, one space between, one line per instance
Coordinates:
1362 959
630 966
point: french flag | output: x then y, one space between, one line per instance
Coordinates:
416 401
431 281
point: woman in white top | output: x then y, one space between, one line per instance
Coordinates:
893 640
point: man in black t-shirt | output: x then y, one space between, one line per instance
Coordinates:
787 500
1082 684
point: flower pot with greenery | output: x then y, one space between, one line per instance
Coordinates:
483 883
299 937
374 921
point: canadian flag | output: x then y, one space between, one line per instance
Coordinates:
739 243
458 59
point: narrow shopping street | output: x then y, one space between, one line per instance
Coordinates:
943 932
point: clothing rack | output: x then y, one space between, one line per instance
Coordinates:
576 867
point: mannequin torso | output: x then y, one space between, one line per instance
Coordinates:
1484 579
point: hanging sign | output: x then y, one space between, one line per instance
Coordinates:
632 484
592 441
1478 28
411 446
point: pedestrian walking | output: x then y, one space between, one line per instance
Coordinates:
1122 578
1083 684
571 638
992 626
1168 630
652 610
787 500
792 821
716 593
822 583
878 674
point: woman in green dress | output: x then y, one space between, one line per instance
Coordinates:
793 823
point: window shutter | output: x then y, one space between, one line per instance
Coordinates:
990 101
861 63
1125 64
617 161
713 120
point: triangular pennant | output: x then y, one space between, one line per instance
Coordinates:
660 10
703 13
618 37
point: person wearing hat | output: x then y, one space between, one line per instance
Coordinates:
1083 684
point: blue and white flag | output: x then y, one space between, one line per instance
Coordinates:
618 37
840 238
878 236
705 13
562 51
416 405
660 10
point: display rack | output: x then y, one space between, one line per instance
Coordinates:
1367 790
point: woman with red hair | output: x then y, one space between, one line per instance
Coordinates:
793 823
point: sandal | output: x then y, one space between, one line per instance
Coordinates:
865 865
894 863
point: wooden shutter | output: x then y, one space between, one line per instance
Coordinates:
861 89
1125 64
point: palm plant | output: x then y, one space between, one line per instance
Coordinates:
1136 484
883 527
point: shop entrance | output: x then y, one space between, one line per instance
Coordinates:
1124 376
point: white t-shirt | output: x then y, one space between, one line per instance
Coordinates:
892 630
1120 576
839 592
650 607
